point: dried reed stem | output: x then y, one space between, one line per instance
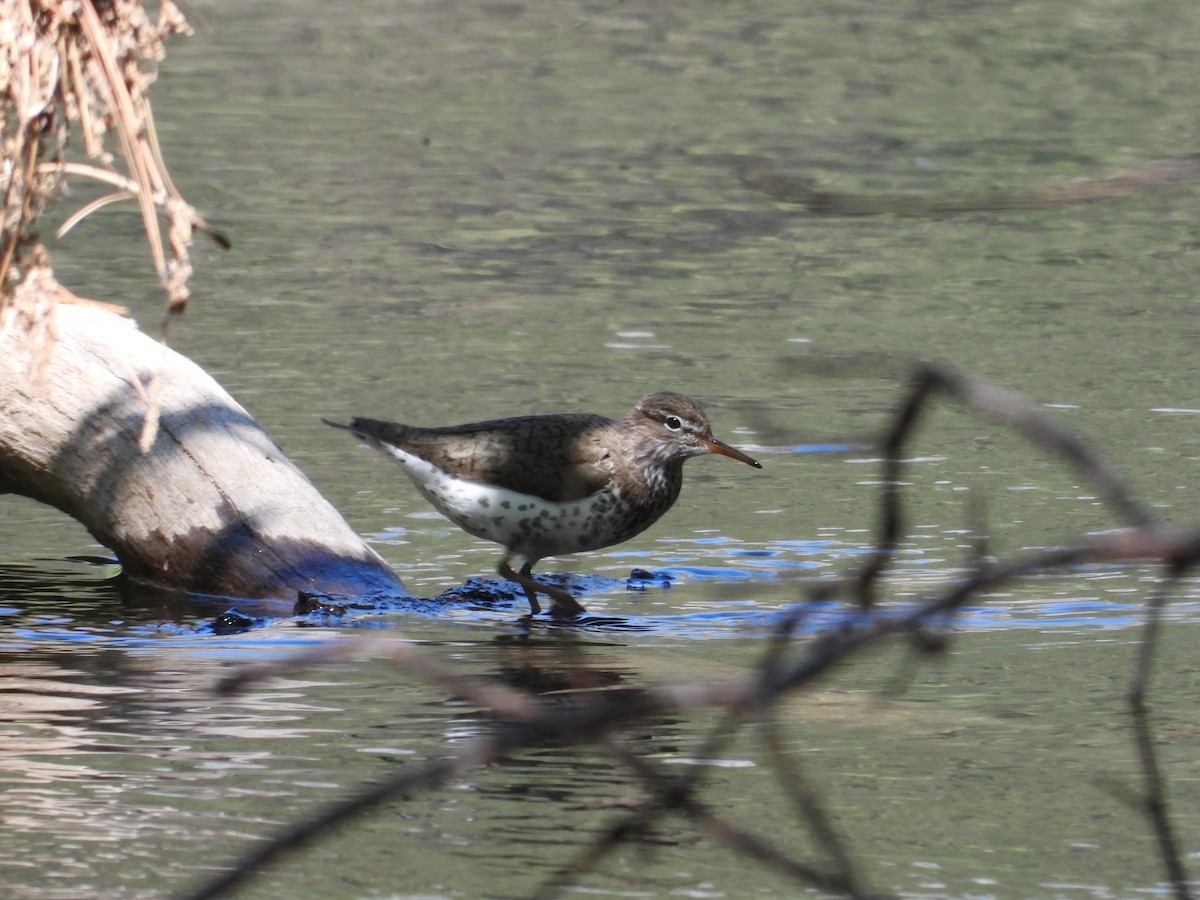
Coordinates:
82 68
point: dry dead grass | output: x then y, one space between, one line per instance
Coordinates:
81 70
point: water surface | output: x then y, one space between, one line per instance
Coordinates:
446 211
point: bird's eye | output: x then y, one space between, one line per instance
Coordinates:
672 423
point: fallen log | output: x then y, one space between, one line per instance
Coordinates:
211 507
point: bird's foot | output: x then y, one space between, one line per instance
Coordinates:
565 606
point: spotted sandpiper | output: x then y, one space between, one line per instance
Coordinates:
547 485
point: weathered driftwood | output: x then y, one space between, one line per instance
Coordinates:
213 507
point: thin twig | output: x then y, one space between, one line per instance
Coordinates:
1156 805
125 117
808 805
672 795
786 666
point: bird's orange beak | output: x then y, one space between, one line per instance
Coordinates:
715 446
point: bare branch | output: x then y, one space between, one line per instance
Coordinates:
788 665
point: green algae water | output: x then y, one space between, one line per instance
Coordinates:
447 212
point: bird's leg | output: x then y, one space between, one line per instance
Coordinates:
505 571
564 603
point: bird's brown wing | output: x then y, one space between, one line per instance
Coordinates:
558 458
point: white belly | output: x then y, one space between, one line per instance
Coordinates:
529 526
